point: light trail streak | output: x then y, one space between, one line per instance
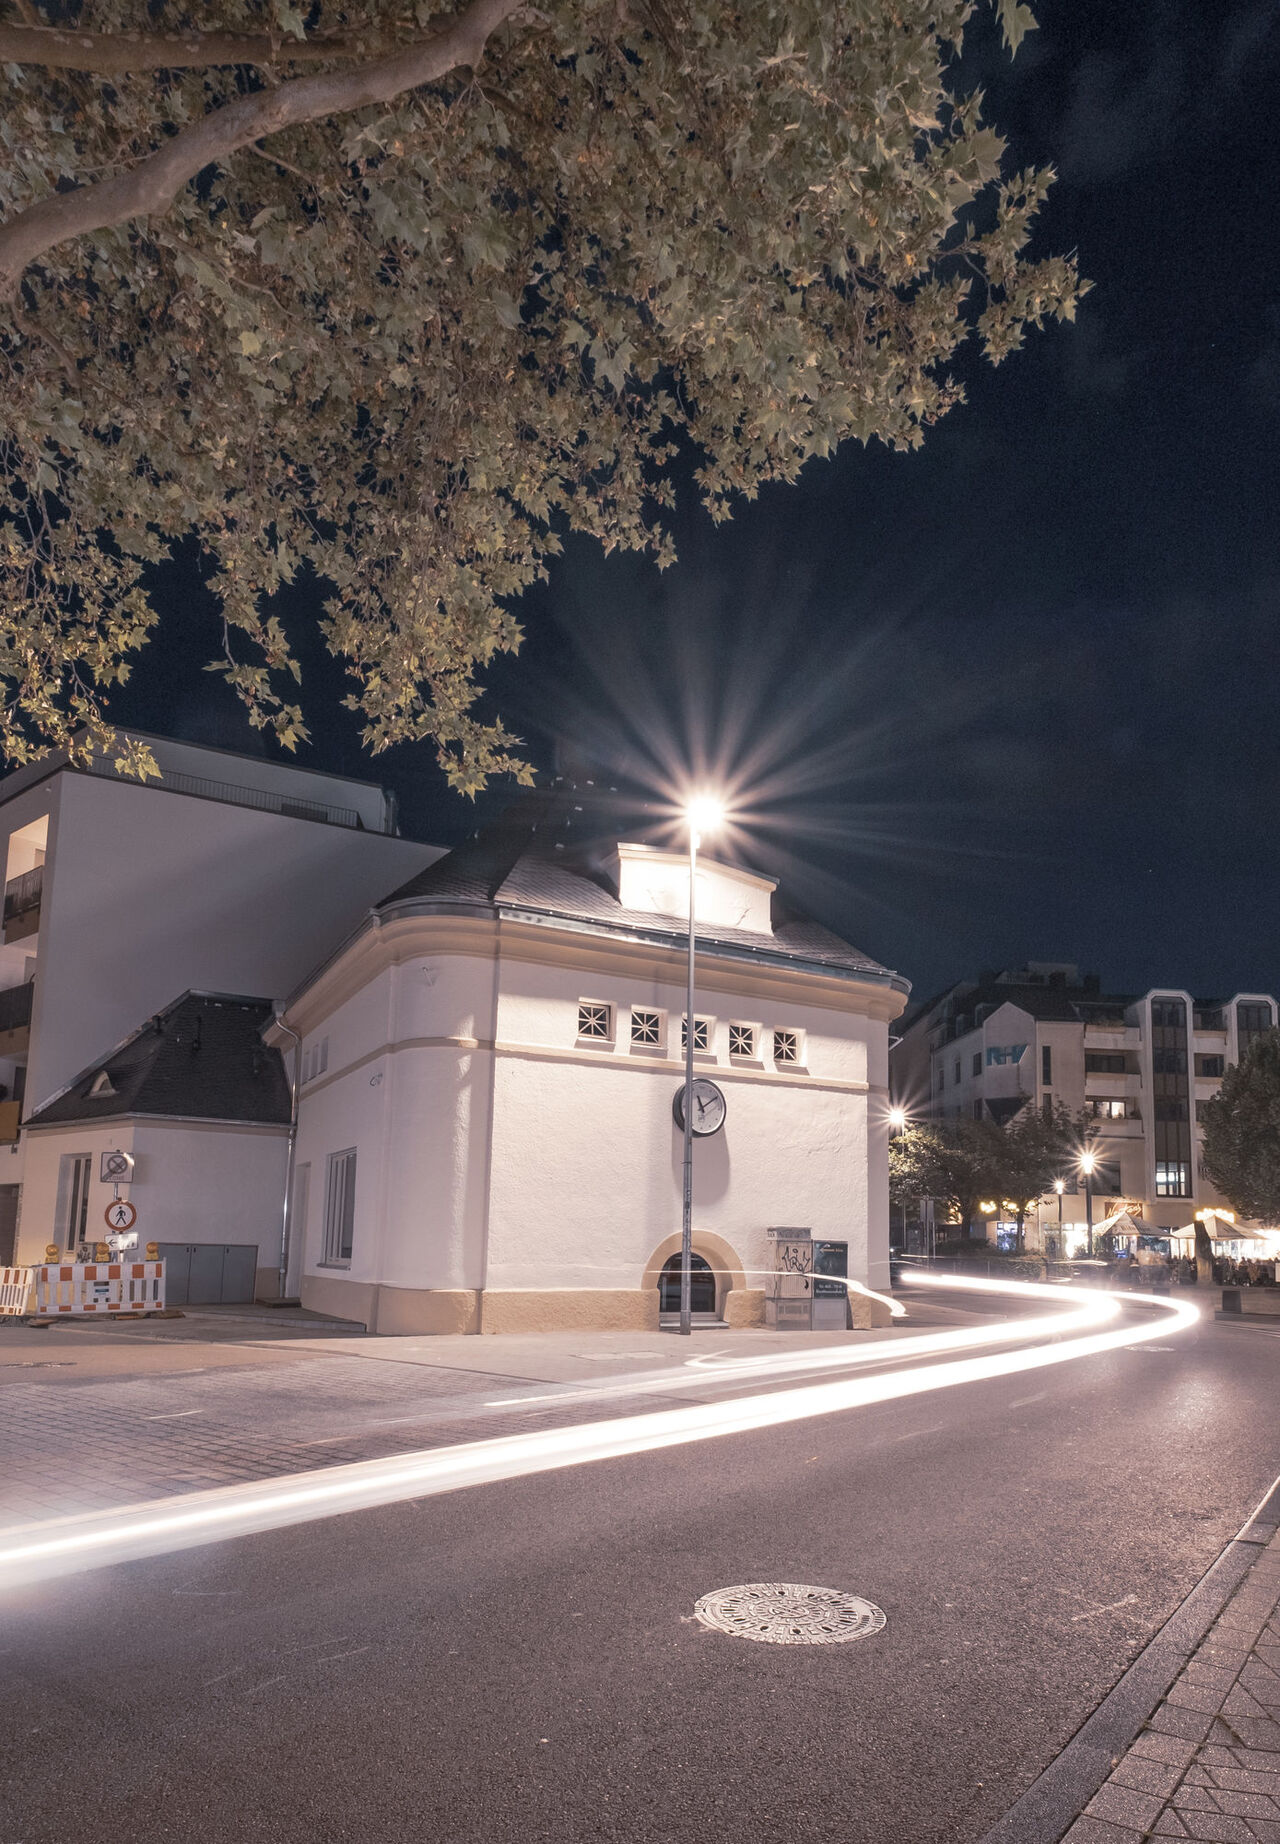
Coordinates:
770 1366
62 1546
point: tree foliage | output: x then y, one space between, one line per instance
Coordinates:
1035 1148
951 1161
963 1162
1242 1133
403 299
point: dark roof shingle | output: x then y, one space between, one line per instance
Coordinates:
202 1058
533 860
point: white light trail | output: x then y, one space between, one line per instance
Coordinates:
62 1546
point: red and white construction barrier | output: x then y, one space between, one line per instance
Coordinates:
103 1287
15 1292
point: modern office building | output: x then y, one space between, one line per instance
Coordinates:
228 874
1141 1065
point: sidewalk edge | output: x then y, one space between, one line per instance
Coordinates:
1053 1802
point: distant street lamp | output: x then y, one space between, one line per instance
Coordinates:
897 1121
702 814
1059 1185
1088 1161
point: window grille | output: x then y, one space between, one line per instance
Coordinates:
701 1034
742 1040
786 1048
594 1020
340 1209
646 1027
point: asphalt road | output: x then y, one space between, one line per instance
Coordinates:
519 1662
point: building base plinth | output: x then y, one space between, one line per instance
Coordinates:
569 1309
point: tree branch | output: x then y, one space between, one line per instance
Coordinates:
115 54
152 185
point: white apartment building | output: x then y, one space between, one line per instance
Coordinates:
1141 1066
228 875
487 1137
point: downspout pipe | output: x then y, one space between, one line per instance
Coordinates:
286 1215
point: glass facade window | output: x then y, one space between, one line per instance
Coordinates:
977 1062
1210 1065
1100 1063
1253 1017
1109 1110
1046 1064
956 1072
1171 1098
1173 1178
1168 1015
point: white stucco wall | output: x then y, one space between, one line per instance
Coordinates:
149 893
546 1163
192 1183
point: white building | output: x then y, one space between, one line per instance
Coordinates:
229 874
486 1138
1140 1066
201 1107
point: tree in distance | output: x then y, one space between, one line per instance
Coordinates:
1035 1148
952 1161
960 1162
1241 1151
402 297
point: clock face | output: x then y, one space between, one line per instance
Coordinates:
708 1107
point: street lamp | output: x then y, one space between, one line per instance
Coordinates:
703 814
1059 1185
1088 1161
897 1121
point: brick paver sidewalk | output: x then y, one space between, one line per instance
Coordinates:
1207 1764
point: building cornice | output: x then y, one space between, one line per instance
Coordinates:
402 931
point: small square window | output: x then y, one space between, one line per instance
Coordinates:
786 1046
594 1020
701 1034
646 1027
742 1040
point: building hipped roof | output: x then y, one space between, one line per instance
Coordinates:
543 859
201 1058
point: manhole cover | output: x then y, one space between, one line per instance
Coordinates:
787 1613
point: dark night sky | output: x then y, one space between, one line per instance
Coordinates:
1012 696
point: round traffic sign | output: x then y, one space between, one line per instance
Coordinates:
120 1214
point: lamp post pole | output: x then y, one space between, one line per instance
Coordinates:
1059 1185
1086 1165
686 1219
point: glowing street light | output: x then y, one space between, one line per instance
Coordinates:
1088 1162
703 814
1059 1185
897 1119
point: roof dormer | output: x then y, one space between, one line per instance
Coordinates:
656 882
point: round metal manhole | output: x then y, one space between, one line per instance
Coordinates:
787 1613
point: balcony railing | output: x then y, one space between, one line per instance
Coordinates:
22 904
262 799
